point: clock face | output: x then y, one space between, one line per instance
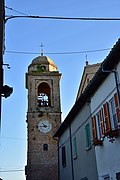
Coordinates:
44 126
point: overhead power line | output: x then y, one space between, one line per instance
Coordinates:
12 170
12 138
59 53
64 18
15 10
59 18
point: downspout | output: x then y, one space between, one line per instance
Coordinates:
116 81
56 139
71 150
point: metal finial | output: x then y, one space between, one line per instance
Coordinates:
86 60
41 49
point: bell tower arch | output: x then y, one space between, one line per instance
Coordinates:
44 95
43 119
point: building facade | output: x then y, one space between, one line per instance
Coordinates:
43 119
105 110
89 137
75 149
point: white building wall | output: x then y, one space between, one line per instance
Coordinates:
105 91
65 172
78 167
107 155
108 159
85 157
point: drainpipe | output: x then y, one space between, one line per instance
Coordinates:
71 150
116 81
56 139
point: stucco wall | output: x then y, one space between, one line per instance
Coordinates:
85 163
65 172
107 155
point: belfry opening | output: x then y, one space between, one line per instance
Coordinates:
44 95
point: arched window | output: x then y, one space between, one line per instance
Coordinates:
43 95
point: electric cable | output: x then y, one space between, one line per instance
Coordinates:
59 53
64 18
12 138
60 18
2 171
15 10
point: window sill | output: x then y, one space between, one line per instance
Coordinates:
75 157
88 148
98 142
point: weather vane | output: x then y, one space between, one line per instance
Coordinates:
41 49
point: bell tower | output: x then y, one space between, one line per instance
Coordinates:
43 119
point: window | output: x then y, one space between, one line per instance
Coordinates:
63 156
113 114
88 137
98 126
96 137
74 143
102 122
118 176
107 116
117 107
45 147
94 128
43 67
106 177
106 121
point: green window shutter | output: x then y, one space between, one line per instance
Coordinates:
88 137
74 143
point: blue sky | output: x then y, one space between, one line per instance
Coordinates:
26 35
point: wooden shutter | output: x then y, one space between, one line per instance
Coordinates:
94 128
107 116
102 122
117 107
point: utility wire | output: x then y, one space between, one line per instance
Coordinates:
57 17
64 18
15 10
60 18
11 138
60 53
12 170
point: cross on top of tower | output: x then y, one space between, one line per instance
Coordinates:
41 49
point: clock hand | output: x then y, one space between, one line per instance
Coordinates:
44 125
